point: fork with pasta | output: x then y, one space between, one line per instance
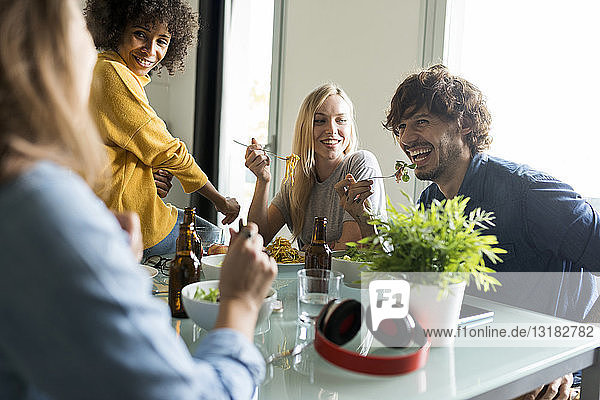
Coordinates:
258 162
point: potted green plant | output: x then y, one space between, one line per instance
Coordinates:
438 250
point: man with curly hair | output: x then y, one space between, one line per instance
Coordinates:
137 37
442 123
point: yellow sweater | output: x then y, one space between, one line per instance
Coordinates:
138 142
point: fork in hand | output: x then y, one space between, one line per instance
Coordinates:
266 151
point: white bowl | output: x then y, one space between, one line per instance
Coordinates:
151 271
350 269
211 265
356 293
204 313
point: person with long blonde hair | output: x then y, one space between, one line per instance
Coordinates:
78 319
325 139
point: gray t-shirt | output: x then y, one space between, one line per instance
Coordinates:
324 201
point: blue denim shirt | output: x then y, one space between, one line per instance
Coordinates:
546 228
77 320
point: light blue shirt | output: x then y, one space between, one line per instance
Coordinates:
77 320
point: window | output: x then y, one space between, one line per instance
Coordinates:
246 93
536 61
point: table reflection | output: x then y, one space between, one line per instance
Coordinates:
450 373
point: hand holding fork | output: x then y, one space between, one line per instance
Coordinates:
353 195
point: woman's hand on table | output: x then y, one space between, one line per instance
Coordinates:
162 179
130 223
246 277
258 162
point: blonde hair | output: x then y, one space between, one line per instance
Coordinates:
303 146
42 114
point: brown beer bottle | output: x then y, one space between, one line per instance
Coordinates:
183 270
189 218
318 255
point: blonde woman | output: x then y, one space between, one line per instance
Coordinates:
325 139
78 313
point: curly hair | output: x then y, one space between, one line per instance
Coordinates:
107 20
450 97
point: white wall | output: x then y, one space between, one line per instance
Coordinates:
368 48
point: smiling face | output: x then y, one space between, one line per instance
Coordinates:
436 146
332 127
143 46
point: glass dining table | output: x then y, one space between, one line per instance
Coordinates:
464 371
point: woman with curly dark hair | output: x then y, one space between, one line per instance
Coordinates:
137 37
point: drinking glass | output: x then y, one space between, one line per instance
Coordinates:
209 236
316 288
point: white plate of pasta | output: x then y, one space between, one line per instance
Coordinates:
291 265
211 265
286 256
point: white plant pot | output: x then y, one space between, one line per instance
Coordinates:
437 313
350 269
352 292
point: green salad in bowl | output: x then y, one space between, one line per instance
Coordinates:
351 263
211 295
353 253
201 301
